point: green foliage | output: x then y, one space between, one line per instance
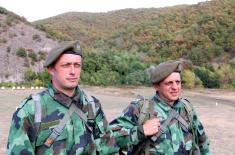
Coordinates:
190 80
33 56
29 75
3 10
7 84
138 77
209 78
44 77
198 32
226 75
42 55
36 79
113 68
52 33
21 52
37 82
122 44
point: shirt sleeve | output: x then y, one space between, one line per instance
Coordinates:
126 129
104 139
20 139
203 141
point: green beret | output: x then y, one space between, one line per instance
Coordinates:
160 72
72 47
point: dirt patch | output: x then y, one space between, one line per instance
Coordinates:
216 109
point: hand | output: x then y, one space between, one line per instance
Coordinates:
151 126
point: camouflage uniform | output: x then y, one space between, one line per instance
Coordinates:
76 138
175 140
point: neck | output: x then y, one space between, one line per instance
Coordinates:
68 92
166 100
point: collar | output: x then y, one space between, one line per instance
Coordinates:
165 106
63 98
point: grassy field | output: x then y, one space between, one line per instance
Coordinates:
216 109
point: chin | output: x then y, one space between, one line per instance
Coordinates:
71 86
174 98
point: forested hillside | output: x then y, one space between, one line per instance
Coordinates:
120 45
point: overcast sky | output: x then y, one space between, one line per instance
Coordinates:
39 9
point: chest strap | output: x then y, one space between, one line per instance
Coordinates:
173 114
60 127
38 111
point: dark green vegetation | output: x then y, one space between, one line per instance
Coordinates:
120 45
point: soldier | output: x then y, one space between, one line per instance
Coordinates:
164 124
63 119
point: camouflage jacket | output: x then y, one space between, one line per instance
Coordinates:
173 141
75 139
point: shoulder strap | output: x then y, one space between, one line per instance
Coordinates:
146 109
91 105
73 108
143 110
38 111
60 127
188 107
172 114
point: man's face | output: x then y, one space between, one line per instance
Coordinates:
66 72
170 88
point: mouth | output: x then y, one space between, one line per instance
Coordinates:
174 93
72 79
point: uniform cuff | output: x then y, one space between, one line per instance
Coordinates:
140 133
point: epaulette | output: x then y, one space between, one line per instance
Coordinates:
22 103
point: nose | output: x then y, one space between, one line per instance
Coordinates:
174 85
72 69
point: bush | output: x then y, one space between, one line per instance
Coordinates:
226 76
3 10
7 84
37 82
188 79
33 56
137 78
44 77
29 75
102 77
21 52
113 68
209 79
42 55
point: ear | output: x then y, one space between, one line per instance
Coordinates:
155 86
51 70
